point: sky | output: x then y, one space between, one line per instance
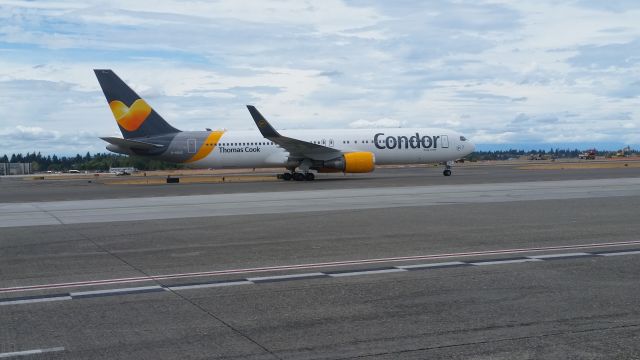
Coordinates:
505 73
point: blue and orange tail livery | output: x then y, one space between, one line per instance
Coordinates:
134 116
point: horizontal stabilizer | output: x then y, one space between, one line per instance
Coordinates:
131 144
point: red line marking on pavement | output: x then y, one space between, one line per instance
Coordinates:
310 266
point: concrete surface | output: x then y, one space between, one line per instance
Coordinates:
19 190
581 307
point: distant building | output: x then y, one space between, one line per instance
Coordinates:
15 168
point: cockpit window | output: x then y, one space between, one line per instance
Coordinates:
462 138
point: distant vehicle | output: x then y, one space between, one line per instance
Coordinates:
541 157
74 171
122 170
588 155
625 152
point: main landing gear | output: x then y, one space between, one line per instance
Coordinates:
447 168
304 175
309 176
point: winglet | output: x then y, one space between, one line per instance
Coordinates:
263 125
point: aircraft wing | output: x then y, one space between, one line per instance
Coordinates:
296 148
131 144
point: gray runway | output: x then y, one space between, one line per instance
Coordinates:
517 304
17 190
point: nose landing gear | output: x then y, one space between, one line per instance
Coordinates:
447 168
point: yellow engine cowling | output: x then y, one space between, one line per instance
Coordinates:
359 162
355 162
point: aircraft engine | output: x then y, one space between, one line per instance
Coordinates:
354 162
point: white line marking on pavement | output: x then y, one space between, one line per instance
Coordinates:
282 277
552 256
30 301
433 265
111 291
29 352
498 262
313 266
315 275
366 272
618 253
204 286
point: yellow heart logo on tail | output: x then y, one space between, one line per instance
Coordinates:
130 118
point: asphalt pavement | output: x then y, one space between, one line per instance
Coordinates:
542 266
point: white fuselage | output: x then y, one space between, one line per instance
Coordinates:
390 146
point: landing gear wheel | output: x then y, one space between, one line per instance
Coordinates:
286 176
446 172
309 176
298 176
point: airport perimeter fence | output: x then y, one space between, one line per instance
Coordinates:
15 168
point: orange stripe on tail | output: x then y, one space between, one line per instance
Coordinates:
208 146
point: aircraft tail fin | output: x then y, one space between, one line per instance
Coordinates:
134 116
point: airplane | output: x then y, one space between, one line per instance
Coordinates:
301 152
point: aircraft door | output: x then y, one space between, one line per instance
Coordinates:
444 141
191 146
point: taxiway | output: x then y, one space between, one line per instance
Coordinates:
490 263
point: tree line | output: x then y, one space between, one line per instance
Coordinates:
98 161
551 153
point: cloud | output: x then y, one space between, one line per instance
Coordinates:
23 139
614 6
625 55
627 90
501 72
28 133
380 123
